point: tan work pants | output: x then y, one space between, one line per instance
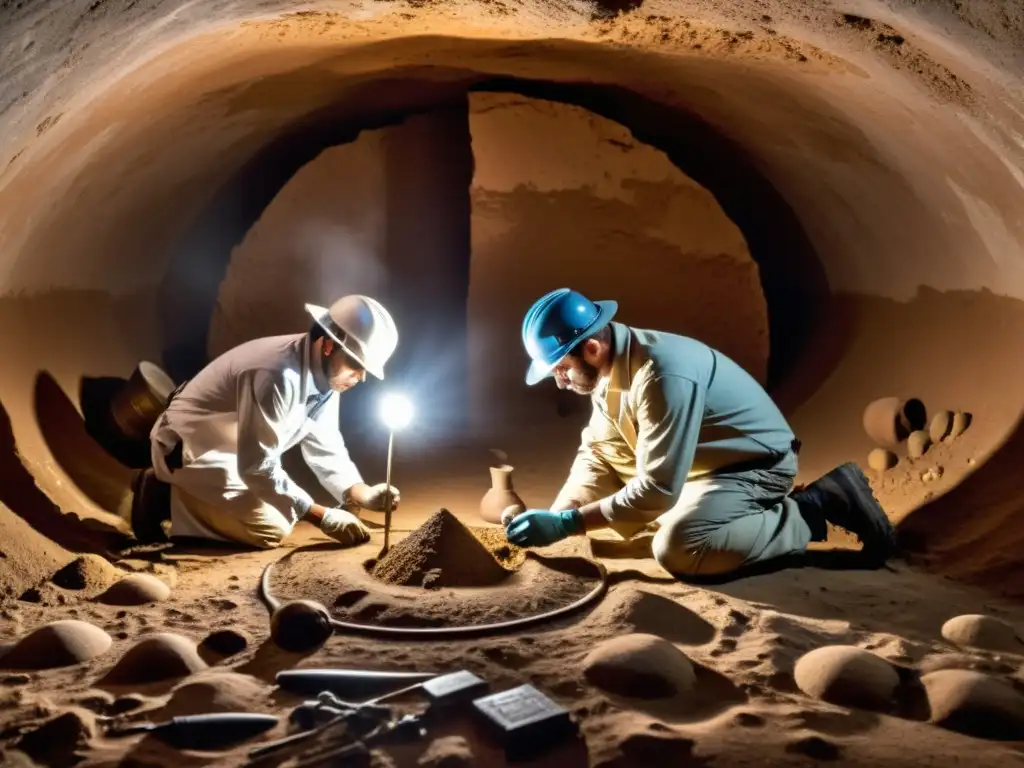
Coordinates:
720 523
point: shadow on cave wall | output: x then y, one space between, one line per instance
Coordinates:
21 495
95 472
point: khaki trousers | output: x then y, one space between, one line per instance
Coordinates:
720 523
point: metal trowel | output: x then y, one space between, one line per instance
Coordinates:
213 731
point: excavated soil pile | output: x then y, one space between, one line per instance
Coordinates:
440 553
460 576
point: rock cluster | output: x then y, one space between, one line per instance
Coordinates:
895 425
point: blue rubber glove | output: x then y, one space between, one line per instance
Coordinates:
540 527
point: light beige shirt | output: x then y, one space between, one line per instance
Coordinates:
672 409
249 406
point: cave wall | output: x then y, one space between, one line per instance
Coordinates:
564 197
386 215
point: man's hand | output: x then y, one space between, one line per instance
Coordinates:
344 527
374 497
541 527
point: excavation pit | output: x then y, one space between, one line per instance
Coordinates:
443 574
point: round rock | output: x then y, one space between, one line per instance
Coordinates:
639 666
974 704
940 426
918 444
158 657
847 676
58 644
986 632
300 626
961 421
215 691
882 459
136 589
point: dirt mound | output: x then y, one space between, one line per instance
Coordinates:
27 558
440 553
88 573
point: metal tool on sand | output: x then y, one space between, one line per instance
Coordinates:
329 712
211 731
396 413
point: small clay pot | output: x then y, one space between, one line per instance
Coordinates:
890 420
501 496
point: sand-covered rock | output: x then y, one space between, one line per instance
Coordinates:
442 551
961 423
882 459
58 644
847 676
649 613
136 589
918 444
216 691
88 572
985 632
639 666
975 704
158 657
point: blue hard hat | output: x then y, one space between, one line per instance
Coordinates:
555 324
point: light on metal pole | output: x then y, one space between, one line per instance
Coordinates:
396 413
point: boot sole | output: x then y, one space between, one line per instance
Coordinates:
879 536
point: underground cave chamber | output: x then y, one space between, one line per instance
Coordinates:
773 211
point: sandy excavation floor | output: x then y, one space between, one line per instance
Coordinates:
743 639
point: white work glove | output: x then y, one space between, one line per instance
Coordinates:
344 527
375 498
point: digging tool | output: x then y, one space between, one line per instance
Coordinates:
348 683
441 691
396 413
212 731
409 727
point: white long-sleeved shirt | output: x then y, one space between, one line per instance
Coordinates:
252 404
672 409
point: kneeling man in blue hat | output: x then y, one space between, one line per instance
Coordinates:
684 441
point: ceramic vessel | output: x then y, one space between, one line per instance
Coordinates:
501 496
890 420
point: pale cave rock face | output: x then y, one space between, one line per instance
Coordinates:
593 209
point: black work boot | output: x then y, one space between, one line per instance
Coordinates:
843 497
151 507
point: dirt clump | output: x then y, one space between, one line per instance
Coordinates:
444 553
27 558
89 573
